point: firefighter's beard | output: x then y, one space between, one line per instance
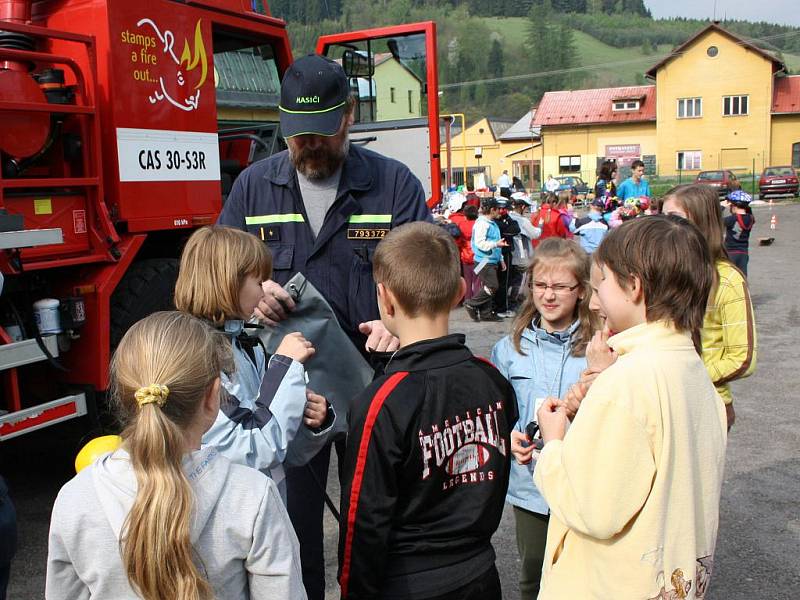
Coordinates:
322 161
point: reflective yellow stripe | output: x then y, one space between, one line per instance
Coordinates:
267 219
370 219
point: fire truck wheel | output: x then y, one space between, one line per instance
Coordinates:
147 287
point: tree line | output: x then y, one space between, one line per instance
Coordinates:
470 50
310 11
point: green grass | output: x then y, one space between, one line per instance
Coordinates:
792 63
591 51
513 30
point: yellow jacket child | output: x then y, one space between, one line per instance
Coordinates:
729 333
634 485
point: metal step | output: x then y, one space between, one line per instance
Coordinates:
37 417
29 238
26 352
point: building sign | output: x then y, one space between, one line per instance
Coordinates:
624 154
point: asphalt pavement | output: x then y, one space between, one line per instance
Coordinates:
758 549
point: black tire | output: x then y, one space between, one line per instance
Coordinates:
147 287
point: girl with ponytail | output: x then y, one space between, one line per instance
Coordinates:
160 519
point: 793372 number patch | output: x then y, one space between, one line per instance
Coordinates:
366 233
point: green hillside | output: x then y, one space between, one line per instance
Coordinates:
631 62
792 62
486 62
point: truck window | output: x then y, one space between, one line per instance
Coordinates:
388 68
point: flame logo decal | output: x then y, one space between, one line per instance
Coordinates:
199 55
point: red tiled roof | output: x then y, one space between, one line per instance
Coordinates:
786 96
581 107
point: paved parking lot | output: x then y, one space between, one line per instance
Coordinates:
757 552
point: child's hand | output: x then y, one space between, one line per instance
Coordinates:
572 401
316 410
295 346
730 414
274 305
379 338
522 453
552 419
599 355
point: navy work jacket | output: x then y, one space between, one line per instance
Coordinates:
375 194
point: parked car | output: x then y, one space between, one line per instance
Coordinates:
721 180
778 180
573 184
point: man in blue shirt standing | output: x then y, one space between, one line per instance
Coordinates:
321 207
635 186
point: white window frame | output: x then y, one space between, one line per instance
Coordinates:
730 100
693 102
623 105
573 160
697 160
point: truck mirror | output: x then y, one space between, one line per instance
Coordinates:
266 52
357 64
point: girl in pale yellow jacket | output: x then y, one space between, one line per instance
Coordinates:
634 486
728 335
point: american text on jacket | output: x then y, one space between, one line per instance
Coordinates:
459 443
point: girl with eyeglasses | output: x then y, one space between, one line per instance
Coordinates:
543 357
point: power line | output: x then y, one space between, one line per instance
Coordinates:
619 63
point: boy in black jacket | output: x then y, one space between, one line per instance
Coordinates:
428 455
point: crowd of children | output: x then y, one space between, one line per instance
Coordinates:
598 419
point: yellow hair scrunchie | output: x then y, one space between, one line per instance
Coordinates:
149 394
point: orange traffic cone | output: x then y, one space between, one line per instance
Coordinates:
773 222
770 203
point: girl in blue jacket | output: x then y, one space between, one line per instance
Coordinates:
267 418
544 355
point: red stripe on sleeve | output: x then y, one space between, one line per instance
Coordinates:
485 360
358 476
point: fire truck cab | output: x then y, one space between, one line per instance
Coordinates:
122 128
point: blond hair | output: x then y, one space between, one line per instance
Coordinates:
558 252
419 262
186 355
214 265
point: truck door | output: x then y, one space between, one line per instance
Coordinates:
393 76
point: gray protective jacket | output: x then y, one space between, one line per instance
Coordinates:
240 531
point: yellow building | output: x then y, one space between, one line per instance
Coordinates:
786 122
393 92
490 146
521 149
478 149
582 128
398 89
714 104
718 102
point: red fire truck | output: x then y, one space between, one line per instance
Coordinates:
122 127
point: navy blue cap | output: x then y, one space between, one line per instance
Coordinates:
314 94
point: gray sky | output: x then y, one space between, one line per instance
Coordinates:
783 12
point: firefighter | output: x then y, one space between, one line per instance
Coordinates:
321 207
